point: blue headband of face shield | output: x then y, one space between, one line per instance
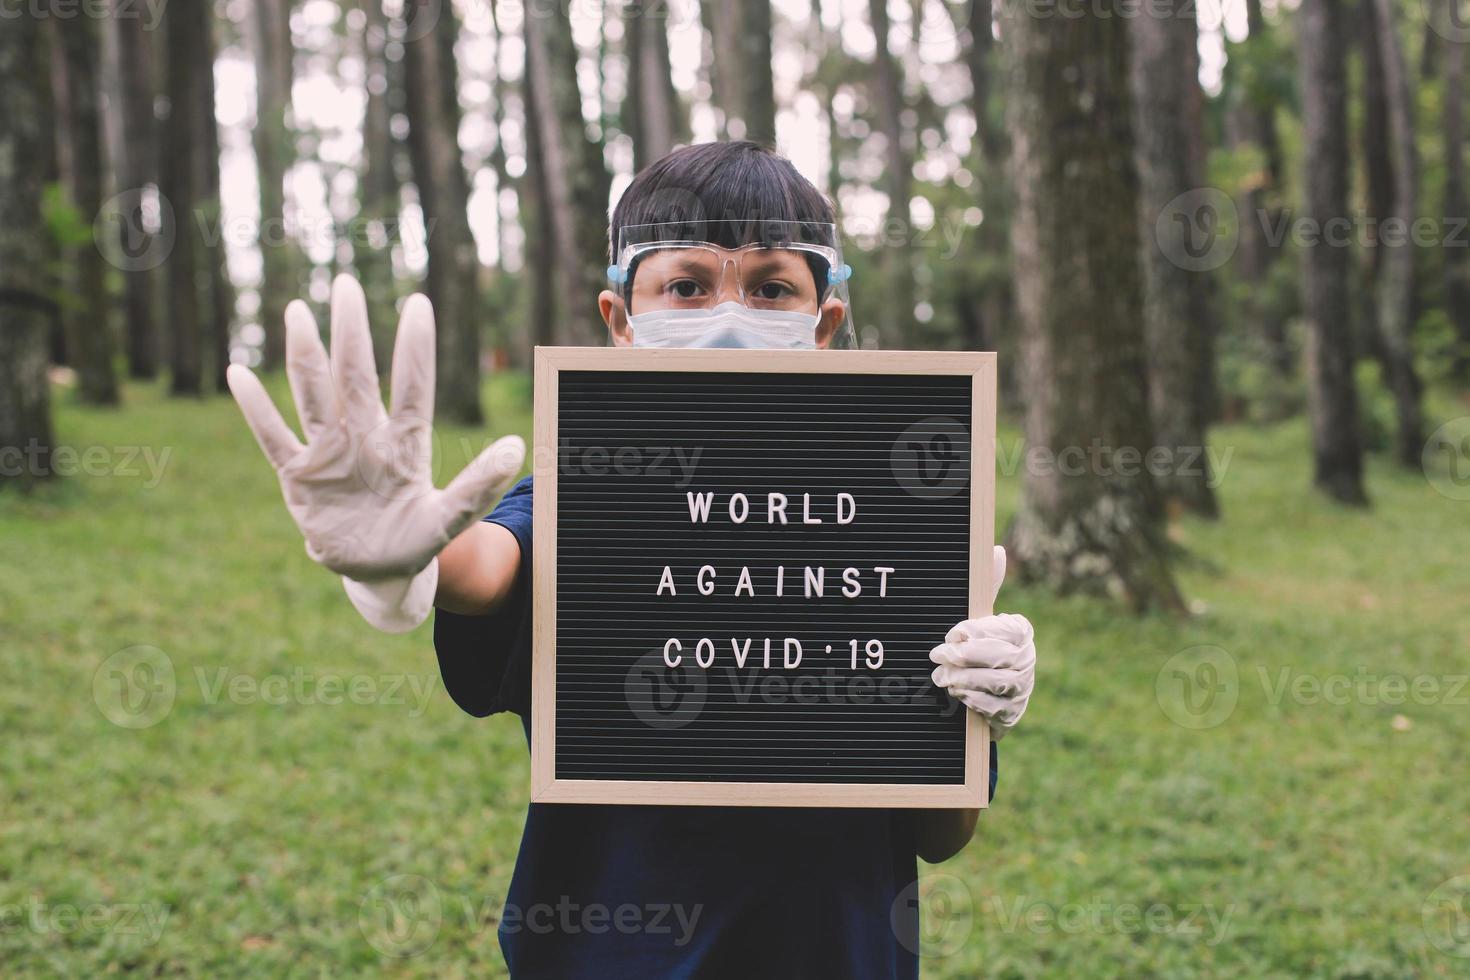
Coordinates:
726 284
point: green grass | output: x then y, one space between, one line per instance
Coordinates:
1313 830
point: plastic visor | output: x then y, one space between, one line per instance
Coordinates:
786 266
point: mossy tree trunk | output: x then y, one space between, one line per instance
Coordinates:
1092 521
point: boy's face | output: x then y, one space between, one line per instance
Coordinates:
705 276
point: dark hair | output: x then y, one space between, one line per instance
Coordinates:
737 184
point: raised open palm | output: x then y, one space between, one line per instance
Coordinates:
360 488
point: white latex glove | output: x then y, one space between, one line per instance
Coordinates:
989 664
360 489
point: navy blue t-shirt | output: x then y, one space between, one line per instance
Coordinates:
663 891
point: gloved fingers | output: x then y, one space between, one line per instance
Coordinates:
276 439
470 494
997 573
413 361
991 652
987 680
1007 626
353 370
309 372
1002 713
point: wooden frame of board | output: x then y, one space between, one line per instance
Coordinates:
546 787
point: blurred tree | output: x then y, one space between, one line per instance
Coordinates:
185 23
1255 80
1395 286
986 312
135 167
895 242
541 258
1092 521
1326 268
575 176
740 68
378 187
1168 126
275 152
25 310
86 307
219 291
652 114
1456 267
452 284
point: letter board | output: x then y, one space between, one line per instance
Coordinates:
742 560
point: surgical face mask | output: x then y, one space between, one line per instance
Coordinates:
727 325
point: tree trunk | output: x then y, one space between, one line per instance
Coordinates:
740 43
758 101
86 307
897 255
541 263
452 283
135 168
1327 268
378 190
274 154
219 292
1252 120
652 115
1456 266
1395 286
180 193
1176 309
1092 521
25 406
576 177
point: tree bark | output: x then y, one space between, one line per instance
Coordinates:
274 154
652 114
135 168
577 182
452 283
897 254
1177 313
1395 286
1456 266
86 307
1092 522
25 401
1327 268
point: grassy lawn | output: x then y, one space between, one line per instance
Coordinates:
1298 824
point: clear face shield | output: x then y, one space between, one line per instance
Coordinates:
761 284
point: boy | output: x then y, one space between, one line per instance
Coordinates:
741 892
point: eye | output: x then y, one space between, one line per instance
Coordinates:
774 290
684 288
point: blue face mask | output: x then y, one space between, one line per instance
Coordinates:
728 325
